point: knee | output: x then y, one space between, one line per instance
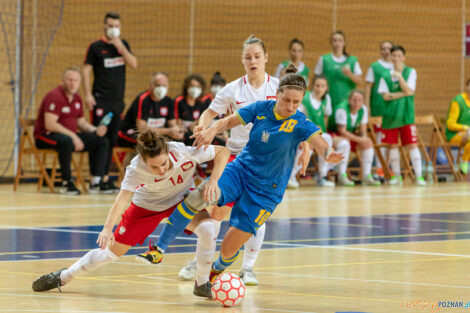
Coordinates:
343 145
367 144
206 230
65 144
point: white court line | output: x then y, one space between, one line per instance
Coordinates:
364 280
383 196
70 311
55 206
140 301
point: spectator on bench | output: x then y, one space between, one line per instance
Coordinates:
59 118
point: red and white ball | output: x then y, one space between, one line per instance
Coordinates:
228 289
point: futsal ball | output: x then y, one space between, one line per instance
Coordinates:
228 289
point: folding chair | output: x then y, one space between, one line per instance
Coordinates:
437 140
407 170
27 147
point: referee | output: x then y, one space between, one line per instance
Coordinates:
107 57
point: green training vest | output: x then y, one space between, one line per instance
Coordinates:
376 99
316 116
464 115
349 127
339 85
400 112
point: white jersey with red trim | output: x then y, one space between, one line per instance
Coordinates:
238 94
158 193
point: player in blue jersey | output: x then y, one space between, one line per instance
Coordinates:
256 180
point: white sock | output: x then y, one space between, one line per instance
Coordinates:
415 157
95 180
89 262
252 248
296 168
367 158
343 147
322 167
395 161
379 141
207 232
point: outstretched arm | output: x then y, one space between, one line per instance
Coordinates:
220 160
204 138
324 150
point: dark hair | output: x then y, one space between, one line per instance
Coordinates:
150 144
217 79
360 91
294 41
386 41
396 48
338 32
188 80
317 77
253 39
111 14
292 80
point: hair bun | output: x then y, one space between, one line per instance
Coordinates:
291 69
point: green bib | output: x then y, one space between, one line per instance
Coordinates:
349 126
304 73
316 116
339 85
376 99
400 112
464 115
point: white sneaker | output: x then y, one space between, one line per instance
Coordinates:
323 182
189 271
343 180
396 181
248 277
293 183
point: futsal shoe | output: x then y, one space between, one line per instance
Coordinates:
48 281
293 183
343 180
203 290
189 271
152 256
464 167
248 277
420 181
396 181
370 181
323 182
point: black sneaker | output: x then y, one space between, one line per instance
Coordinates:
203 291
108 187
48 281
69 188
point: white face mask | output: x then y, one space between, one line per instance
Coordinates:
160 92
113 32
215 89
194 92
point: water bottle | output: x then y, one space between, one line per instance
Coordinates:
429 173
106 119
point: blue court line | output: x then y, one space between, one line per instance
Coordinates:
67 242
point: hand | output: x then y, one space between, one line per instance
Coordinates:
334 157
304 160
204 138
117 42
77 143
105 238
197 129
211 192
396 74
101 130
346 70
90 101
176 133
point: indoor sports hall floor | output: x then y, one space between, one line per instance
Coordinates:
389 249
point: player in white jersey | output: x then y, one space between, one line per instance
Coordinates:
156 180
254 86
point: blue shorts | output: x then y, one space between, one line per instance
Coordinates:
252 206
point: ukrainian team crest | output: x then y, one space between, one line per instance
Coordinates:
265 136
163 111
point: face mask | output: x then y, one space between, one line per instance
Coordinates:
160 92
215 89
113 32
194 92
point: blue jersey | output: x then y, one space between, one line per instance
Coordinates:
269 154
